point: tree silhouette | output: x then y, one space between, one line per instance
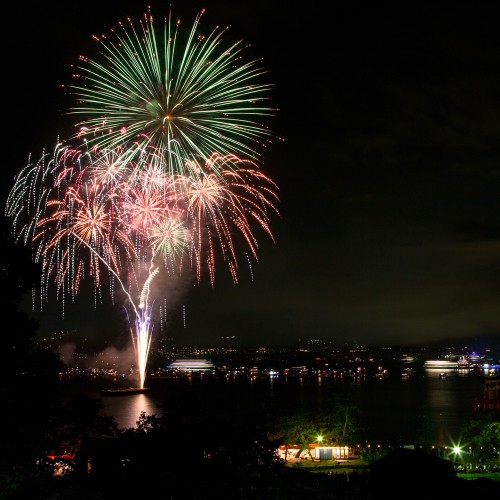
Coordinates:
425 428
28 388
482 433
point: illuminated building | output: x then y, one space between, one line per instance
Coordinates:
491 395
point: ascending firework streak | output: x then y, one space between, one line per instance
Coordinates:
83 218
163 182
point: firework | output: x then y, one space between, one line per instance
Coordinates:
223 203
165 181
83 221
184 94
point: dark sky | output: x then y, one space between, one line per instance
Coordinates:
389 173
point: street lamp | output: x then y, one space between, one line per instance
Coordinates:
457 452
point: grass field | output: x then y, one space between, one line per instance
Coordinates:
359 466
330 466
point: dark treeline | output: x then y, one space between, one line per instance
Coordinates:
204 446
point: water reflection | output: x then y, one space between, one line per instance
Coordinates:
450 400
388 408
127 409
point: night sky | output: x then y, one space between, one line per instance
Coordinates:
389 171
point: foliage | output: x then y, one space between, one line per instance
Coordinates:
297 429
339 421
369 455
77 418
425 429
28 389
333 423
482 433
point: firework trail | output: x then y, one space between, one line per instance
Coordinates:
82 222
161 182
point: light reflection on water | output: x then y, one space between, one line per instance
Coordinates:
450 400
127 409
389 407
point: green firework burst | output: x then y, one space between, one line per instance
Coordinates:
186 96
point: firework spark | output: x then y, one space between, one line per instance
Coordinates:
224 202
80 222
163 183
185 94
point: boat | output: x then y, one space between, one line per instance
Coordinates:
440 363
125 391
189 367
407 359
